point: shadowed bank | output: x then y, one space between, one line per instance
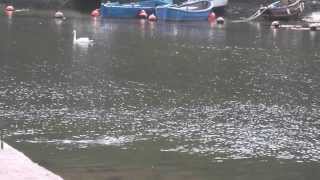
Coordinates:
84 5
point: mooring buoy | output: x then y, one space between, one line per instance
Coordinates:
212 16
220 20
152 17
95 13
143 14
275 24
58 14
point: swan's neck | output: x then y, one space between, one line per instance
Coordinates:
74 36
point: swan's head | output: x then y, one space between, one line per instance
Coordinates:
74 31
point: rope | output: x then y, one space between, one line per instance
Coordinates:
254 16
263 9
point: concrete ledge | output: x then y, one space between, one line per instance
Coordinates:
14 165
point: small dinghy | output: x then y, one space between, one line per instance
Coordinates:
130 10
278 10
189 11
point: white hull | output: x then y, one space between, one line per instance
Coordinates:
216 3
219 3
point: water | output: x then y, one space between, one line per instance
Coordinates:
156 100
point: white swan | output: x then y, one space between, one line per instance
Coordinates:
82 40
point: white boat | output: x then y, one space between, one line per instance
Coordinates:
220 3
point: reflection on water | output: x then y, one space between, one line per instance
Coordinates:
223 93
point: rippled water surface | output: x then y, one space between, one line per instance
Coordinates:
156 100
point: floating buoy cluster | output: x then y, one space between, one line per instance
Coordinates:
9 9
144 15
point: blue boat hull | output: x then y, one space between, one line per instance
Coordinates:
117 10
186 12
176 15
124 11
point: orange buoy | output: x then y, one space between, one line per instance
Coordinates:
95 13
9 8
212 16
143 14
152 17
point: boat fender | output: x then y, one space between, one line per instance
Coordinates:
152 17
212 16
9 8
275 24
95 13
220 20
143 14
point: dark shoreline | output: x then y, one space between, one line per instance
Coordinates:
81 5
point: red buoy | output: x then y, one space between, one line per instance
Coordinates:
95 13
212 16
9 8
152 17
143 14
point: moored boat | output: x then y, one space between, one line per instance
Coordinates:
188 11
130 10
278 10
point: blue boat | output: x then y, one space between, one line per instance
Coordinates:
189 11
130 10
